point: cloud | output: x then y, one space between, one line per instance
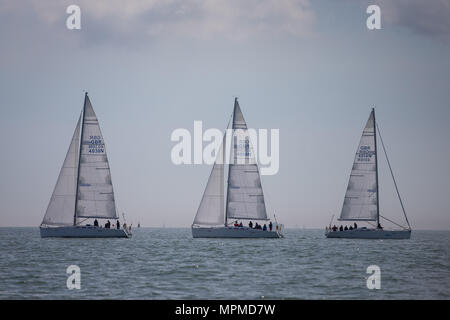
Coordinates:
197 19
428 18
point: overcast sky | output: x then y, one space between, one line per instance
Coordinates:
309 68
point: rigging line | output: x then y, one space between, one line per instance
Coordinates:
79 222
393 178
372 224
398 225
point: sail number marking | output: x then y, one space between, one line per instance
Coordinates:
96 145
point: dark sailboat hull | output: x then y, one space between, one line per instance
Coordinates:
369 234
233 232
82 232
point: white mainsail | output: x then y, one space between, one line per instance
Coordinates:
245 198
95 189
60 210
211 210
360 202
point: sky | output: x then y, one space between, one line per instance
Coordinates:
311 69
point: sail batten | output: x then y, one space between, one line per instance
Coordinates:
361 198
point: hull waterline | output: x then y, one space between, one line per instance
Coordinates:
82 232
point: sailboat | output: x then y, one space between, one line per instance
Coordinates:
216 216
361 202
84 188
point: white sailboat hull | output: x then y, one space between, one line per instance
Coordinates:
364 233
233 232
82 232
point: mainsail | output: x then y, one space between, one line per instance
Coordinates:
361 198
62 203
95 189
245 198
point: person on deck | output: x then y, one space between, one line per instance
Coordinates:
270 225
345 229
265 227
350 228
236 224
379 226
341 228
334 228
95 223
250 225
355 226
118 225
240 224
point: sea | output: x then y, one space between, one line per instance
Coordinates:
166 263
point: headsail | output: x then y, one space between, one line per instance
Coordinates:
95 189
360 202
211 210
62 203
245 198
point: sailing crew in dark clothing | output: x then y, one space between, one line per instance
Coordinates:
379 226
341 228
270 225
345 229
265 227
355 226
108 224
334 228
118 225
250 225
95 223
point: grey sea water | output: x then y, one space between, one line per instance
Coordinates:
163 263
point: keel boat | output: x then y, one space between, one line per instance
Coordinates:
84 189
361 202
218 215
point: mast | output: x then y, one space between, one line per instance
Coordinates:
376 166
229 164
79 159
